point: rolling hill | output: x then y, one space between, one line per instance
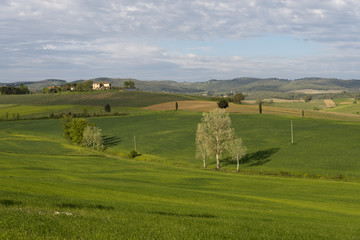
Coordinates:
243 84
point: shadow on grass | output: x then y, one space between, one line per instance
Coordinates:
260 157
82 206
253 159
9 203
201 215
111 141
101 207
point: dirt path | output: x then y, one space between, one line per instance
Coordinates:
329 103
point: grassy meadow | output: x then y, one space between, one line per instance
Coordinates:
43 105
95 98
321 146
52 189
57 190
317 104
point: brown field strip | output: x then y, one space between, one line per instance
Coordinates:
205 106
329 103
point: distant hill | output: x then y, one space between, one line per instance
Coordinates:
36 85
244 84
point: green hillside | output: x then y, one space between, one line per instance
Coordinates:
169 137
50 189
96 98
244 84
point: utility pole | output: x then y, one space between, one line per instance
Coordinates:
292 133
134 142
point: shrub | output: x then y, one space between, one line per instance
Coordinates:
307 98
133 154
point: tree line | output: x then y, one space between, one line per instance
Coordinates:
14 90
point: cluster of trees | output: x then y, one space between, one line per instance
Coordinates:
14 90
81 86
238 98
224 102
80 131
54 89
84 86
15 116
215 137
129 84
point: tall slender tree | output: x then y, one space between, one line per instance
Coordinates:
237 150
260 107
218 132
203 150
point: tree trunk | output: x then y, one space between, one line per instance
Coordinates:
217 162
237 165
217 153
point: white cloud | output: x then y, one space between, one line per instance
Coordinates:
48 47
101 35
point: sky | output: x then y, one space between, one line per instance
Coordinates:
179 40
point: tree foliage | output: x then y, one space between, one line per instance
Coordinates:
237 150
215 127
129 84
14 90
223 103
238 98
92 137
74 128
202 140
307 98
107 108
84 86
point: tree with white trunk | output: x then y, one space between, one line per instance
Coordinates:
215 129
92 137
203 150
237 150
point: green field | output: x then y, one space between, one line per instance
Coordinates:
43 105
51 189
97 98
321 146
352 108
317 104
56 190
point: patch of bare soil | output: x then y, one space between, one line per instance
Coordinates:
314 91
275 100
329 103
200 106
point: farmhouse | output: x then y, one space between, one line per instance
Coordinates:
101 86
